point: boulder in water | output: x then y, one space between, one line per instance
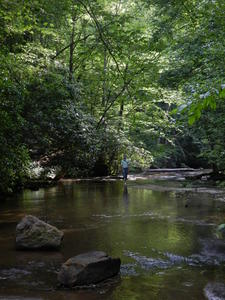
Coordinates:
88 268
221 231
32 233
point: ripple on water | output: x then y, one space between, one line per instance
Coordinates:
158 217
215 291
18 298
128 269
107 216
178 259
148 263
212 254
144 214
13 273
194 222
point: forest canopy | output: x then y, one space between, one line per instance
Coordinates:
83 82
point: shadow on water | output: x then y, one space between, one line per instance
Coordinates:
160 235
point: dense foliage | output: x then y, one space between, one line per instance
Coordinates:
84 81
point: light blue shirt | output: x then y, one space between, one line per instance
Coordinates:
124 163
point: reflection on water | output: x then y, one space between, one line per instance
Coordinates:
126 198
165 239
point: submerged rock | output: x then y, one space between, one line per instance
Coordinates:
32 233
88 268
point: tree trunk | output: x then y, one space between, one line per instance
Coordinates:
120 124
104 87
72 47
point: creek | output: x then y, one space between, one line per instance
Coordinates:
165 238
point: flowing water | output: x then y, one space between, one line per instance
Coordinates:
165 238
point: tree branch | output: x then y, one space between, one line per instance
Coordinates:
70 44
125 86
100 31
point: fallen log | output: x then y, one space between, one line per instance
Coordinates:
172 170
187 173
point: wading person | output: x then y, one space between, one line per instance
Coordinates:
124 165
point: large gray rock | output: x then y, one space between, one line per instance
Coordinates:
32 233
88 268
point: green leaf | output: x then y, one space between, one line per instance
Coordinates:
222 94
191 120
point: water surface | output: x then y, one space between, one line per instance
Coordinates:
165 239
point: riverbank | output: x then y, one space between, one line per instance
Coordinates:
185 179
180 178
